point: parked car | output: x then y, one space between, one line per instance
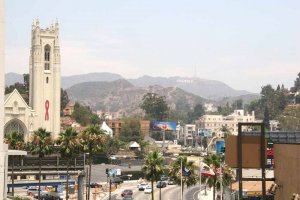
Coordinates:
161 184
44 196
117 180
127 198
95 185
142 186
164 178
171 182
34 191
127 193
148 190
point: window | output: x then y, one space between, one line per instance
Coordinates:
47 52
47 80
47 57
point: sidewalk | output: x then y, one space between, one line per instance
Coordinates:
208 196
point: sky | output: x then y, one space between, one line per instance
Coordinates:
243 43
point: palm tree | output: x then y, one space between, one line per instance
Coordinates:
68 142
175 172
15 141
41 144
92 141
153 168
214 161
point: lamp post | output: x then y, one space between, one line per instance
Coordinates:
86 172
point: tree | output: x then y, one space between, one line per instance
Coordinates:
175 172
196 113
214 161
155 106
131 130
225 130
68 142
112 146
296 86
83 115
267 118
41 144
92 141
237 104
15 141
153 168
64 99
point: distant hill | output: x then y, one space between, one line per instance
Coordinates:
121 95
208 89
11 78
246 99
68 81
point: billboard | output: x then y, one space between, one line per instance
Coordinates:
160 126
204 132
219 145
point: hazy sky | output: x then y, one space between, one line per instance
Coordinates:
244 43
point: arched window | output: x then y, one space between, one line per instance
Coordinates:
47 56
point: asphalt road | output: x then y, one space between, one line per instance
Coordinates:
171 192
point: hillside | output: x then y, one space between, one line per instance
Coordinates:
208 89
121 95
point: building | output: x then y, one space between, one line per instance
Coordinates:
3 147
216 122
189 131
69 109
209 107
44 92
116 126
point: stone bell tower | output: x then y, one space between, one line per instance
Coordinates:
44 72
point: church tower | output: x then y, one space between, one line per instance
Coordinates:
44 72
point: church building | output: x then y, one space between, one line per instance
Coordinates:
44 90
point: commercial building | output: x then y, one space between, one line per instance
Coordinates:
216 122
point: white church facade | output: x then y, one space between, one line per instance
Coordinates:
44 87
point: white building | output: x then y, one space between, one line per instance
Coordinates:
209 107
44 92
216 122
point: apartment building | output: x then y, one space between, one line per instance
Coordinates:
216 122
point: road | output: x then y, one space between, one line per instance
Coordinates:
171 192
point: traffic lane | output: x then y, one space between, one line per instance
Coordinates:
171 192
140 195
116 195
193 193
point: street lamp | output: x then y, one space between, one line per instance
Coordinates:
86 172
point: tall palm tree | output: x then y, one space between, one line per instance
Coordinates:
153 168
214 161
68 142
92 141
41 144
175 172
15 141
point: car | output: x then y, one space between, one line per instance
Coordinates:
127 198
171 182
142 186
164 178
95 185
44 196
34 191
161 184
148 190
127 193
117 180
